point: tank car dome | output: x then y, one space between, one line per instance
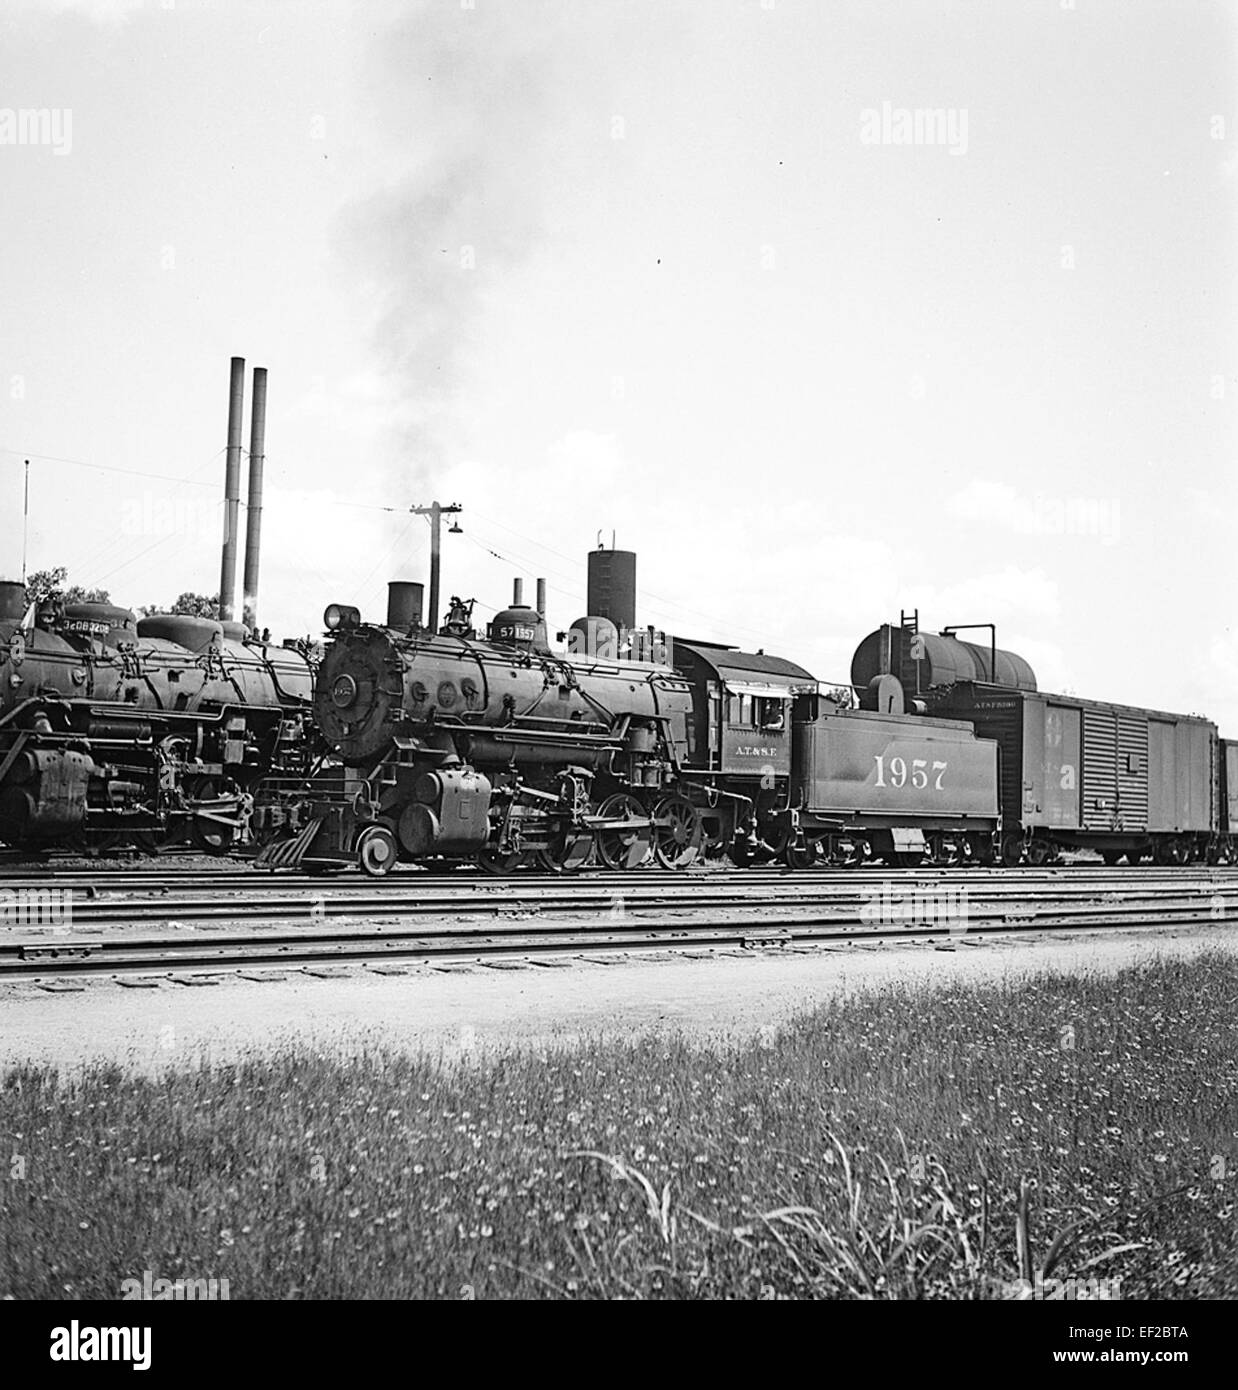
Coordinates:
942 661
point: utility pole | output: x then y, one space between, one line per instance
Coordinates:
25 524
436 511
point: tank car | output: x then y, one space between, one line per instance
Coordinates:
114 730
449 746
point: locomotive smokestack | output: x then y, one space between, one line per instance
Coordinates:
232 491
541 598
517 592
253 511
404 601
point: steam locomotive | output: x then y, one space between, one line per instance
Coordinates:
444 745
148 732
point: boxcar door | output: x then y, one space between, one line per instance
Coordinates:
1162 775
1063 735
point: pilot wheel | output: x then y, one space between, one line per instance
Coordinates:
377 850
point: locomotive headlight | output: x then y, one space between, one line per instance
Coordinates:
340 615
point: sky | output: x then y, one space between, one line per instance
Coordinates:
690 273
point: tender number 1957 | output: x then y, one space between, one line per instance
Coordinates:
918 773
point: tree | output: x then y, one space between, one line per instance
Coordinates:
189 605
43 583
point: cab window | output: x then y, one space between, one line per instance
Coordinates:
771 713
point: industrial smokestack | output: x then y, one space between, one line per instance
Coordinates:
612 587
541 598
253 510
232 491
517 592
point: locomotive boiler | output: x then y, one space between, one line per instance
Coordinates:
447 745
114 730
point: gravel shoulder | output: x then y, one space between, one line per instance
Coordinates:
462 1011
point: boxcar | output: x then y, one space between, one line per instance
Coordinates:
1130 783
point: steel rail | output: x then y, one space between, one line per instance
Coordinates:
123 957
100 912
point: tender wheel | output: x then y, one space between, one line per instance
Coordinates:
377 850
1012 851
800 856
614 846
677 835
741 854
1039 853
938 855
861 853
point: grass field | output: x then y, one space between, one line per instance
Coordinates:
957 1144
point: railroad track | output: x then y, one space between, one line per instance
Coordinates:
116 877
222 897
551 943
544 926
